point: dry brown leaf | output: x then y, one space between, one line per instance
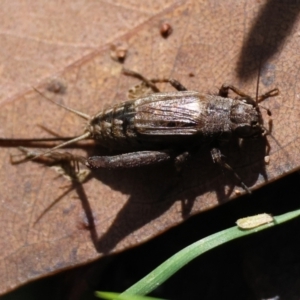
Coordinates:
66 49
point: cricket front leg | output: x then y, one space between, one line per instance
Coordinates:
137 159
126 160
224 90
217 157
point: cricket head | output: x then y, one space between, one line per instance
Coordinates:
247 118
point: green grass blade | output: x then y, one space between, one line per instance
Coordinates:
117 296
183 257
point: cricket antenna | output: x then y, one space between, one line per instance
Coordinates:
257 82
84 136
258 99
76 112
257 89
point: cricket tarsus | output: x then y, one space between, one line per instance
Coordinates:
164 126
50 158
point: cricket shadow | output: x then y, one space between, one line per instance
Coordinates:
154 189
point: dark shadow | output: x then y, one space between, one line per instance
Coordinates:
267 36
153 189
90 222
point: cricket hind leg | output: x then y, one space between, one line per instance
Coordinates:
217 157
128 160
152 82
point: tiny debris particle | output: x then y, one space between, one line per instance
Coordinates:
237 192
254 221
56 87
165 30
267 159
118 52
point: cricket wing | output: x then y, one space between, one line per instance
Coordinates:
178 113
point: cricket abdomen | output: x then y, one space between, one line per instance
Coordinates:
114 126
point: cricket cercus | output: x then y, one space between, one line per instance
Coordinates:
159 126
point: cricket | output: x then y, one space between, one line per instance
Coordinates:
157 126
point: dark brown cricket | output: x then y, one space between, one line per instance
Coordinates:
163 126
